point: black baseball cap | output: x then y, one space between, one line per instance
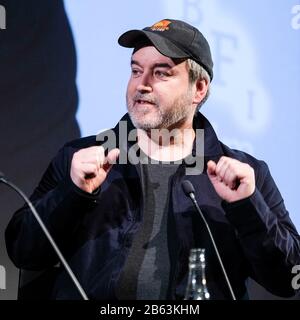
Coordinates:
174 39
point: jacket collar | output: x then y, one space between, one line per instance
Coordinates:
212 146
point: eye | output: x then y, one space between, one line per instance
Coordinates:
161 74
135 72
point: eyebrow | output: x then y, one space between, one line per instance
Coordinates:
156 65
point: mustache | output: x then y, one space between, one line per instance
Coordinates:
145 97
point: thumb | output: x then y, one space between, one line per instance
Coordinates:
111 159
211 168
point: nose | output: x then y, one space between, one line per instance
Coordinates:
144 88
144 84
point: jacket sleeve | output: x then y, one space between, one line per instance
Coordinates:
60 204
267 235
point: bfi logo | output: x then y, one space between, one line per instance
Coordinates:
2 278
2 18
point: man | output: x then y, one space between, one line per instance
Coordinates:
127 228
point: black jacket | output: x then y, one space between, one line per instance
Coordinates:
255 236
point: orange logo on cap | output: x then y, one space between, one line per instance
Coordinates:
162 25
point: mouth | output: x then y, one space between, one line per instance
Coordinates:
144 102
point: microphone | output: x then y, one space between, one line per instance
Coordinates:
189 191
48 235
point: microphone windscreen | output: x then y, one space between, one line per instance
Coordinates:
187 187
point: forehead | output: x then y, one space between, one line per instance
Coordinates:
150 55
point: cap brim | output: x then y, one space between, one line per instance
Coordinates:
132 38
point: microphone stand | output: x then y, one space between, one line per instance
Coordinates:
46 232
189 190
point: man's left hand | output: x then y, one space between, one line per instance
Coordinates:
233 180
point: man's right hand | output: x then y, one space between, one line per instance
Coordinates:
90 167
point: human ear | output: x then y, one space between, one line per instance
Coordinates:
201 90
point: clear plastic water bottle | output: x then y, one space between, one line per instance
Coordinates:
196 288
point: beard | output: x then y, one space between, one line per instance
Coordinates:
163 116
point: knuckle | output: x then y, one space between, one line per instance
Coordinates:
75 155
101 149
232 167
249 167
100 152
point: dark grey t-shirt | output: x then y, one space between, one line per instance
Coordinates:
147 269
